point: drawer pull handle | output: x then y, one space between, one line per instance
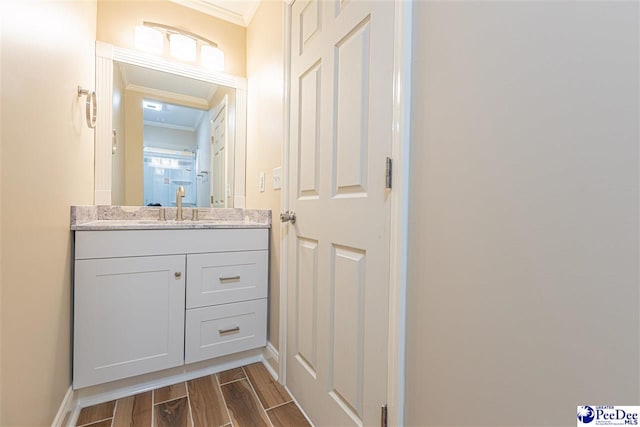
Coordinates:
177 274
229 331
226 279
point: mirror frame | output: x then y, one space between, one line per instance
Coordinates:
106 54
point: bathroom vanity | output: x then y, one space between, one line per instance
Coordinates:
152 293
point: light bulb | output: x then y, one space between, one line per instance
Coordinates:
212 58
149 40
182 47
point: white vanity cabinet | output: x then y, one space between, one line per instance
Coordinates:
147 300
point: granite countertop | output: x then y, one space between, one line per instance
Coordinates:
105 217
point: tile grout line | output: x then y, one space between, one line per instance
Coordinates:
224 400
113 416
95 422
257 397
186 387
172 399
234 381
153 407
279 405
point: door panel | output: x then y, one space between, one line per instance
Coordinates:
348 284
309 132
306 343
351 111
341 115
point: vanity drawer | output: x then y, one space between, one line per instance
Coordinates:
221 278
224 329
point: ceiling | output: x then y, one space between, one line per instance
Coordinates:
153 82
238 12
174 116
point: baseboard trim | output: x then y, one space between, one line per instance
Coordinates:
142 383
74 401
66 409
271 360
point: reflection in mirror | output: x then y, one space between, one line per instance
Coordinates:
171 131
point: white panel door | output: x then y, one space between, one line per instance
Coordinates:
341 115
219 159
129 317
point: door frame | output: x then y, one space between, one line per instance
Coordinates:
400 150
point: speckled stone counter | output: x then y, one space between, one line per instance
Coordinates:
158 218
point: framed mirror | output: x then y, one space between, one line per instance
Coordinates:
163 124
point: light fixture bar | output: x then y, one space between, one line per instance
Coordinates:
174 30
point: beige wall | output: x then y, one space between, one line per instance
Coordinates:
265 106
134 140
523 269
47 165
118 123
117 20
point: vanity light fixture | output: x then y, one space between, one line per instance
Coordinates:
149 39
183 45
212 58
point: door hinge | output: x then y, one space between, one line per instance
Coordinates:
387 173
383 416
212 200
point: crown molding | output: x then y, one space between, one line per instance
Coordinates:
176 98
220 12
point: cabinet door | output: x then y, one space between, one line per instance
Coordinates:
129 317
221 278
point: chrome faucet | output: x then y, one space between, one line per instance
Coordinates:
179 196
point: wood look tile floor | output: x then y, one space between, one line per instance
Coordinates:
241 397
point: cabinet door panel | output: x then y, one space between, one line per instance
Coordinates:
225 329
220 278
129 317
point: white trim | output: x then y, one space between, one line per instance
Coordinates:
104 125
220 12
75 401
238 201
105 55
66 406
284 193
271 360
130 386
146 60
168 126
400 149
240 158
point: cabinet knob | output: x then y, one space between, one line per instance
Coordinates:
178 274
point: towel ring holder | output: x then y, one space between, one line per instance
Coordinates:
91 106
